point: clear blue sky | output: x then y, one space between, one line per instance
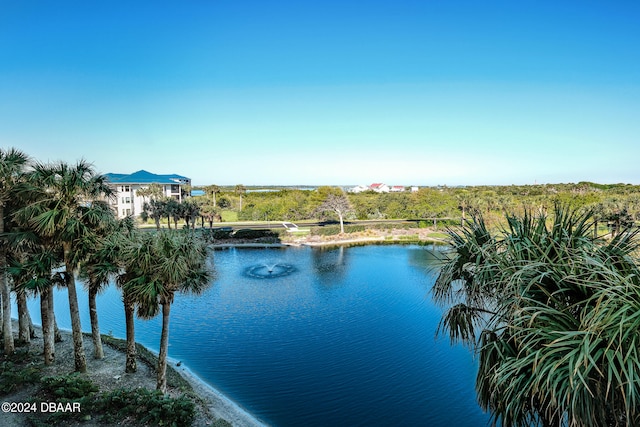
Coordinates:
327 92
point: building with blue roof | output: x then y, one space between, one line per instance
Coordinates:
128 202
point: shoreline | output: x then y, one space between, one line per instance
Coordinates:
213 404
350 241
218 403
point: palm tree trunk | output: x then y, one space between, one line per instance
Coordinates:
98 352
164 347
46 308
57 336
32 330
5 293
7 330
24 320
79 357
131 365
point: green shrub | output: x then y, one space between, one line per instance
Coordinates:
247 233
146 407
13 377
332 230
71 386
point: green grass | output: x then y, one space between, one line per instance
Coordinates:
229 216
300 232
438 235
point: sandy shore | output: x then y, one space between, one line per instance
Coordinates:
219 405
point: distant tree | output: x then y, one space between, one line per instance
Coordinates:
153 191
240 190
209 213
224 203
172 211
213 190
338 204
190 212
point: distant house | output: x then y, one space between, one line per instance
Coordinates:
379 188
125 187
358 189
397 189
414 189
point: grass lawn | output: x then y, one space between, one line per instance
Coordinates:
229 216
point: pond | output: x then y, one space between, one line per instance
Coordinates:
339 336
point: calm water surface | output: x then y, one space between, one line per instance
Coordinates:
316 337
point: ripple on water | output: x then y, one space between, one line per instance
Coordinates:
269 271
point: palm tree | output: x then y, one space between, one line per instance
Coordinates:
34 272
240 190
12 168
167 262
98 269
172 210
66 213
213 190
552 313
190 212
153 209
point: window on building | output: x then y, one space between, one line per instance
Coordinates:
175 188
128 212
125 188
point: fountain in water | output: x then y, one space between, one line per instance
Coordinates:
269 271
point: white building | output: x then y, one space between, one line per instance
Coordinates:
125 187
379 187
358 189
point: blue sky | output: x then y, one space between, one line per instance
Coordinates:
327 92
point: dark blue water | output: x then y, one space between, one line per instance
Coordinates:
316 337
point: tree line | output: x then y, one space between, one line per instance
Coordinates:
616 205
55 225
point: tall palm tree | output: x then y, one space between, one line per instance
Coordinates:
240 190
209 213
190 212
172 211
552 313
66 213
99 267
153 209
213 190
34 272
13 163
167 262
